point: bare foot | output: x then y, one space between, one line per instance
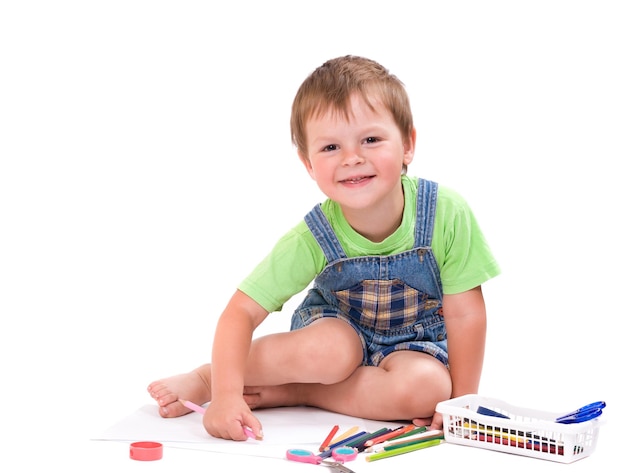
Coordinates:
193 386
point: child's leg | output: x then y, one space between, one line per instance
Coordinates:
327 351
405 386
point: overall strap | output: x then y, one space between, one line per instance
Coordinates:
324 234
425 216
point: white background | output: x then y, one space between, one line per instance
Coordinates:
146 167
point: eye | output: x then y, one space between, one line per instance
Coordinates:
330 148
371 139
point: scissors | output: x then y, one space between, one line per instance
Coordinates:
339 454
583 414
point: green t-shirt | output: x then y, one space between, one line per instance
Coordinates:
462 253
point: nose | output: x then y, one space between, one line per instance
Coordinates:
351 157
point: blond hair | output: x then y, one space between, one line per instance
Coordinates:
330 86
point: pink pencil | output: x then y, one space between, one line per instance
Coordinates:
192 406
201 410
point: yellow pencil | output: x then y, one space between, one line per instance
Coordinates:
488 431
345 435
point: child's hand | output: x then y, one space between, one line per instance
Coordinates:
227 418
433 423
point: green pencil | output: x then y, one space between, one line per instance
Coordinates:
400 451
407 443
358 443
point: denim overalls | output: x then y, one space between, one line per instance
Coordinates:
393 302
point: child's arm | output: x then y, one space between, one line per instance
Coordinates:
465 319
228 413
466 322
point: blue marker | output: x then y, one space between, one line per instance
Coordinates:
583 414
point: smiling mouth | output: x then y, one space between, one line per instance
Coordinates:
356 180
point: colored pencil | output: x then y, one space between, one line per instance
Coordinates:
328 438
342 443
346 441
389 435
360 443
400 451
192 406
410 433
345 435
202 410
421 436
406 443
352 441
248 431
497 433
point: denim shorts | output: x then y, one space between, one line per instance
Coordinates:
426 335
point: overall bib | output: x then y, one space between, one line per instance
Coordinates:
393 302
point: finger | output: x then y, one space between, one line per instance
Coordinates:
254 426
422 421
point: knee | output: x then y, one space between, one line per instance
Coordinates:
330 363
425 388
332 358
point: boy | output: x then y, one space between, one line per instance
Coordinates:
395 321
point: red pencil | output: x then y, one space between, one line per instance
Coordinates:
328 438
390 435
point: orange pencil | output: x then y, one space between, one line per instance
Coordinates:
328 438
389 435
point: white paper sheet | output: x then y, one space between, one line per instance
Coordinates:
294 426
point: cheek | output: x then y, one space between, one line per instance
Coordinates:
319 170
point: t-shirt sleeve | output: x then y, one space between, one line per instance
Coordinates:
288 269
464 256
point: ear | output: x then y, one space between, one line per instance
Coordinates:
409 147
307 164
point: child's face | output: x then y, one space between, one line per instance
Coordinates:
357 163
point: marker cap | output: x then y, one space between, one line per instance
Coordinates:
146 451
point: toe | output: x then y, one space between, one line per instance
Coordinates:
172 409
